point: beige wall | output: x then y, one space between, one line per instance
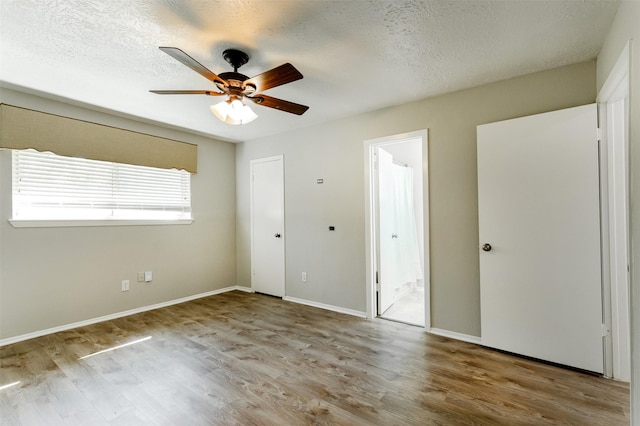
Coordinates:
626 26
56 276
335 262
51 277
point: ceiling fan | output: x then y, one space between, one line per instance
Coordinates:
238 86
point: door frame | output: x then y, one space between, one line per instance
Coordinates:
616 310
370 217
252 164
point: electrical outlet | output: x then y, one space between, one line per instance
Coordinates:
148 276
125 285
304 277
140 277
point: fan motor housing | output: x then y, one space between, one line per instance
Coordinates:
236 58
231 76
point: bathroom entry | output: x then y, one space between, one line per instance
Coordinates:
399 229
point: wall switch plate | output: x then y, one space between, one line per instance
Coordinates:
148 276
125 285
140 277
304 277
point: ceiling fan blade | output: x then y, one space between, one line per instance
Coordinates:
278 76
279 104
187 92
187 60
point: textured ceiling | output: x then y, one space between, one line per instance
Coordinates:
355 55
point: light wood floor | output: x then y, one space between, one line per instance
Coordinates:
248 359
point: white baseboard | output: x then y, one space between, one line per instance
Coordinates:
457 336
65 327
327 307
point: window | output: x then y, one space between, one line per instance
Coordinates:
47 186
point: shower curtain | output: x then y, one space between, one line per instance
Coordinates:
399 260
409 267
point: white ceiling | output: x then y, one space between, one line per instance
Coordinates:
355 55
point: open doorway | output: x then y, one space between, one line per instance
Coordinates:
398 276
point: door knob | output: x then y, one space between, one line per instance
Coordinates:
486 247
394 235
277 235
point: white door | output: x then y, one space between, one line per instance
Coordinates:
267 226
538 206
387 232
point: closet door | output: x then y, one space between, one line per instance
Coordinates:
267 226
539 222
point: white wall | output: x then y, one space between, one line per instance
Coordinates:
335 261
626 26
51 277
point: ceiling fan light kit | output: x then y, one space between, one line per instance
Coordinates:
233 111
237 86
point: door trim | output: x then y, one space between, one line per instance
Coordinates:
615 89
252 163
370 218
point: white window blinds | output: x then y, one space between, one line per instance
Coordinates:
47 186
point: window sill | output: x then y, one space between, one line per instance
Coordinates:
20 223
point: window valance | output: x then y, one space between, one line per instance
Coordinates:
22 128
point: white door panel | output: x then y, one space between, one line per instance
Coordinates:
267 226
388 264
539 210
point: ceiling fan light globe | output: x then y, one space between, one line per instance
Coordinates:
233 121
233 112
248 115
220 110
235 109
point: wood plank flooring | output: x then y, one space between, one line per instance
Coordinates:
248 359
